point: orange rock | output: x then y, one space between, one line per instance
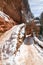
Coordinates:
6 25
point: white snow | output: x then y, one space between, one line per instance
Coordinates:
3 15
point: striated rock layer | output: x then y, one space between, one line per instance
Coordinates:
5 22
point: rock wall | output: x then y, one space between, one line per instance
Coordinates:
13 9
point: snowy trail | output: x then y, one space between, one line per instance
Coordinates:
27 53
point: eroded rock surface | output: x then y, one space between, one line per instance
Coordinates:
6 22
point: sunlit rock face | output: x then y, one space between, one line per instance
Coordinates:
16 51
5 22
